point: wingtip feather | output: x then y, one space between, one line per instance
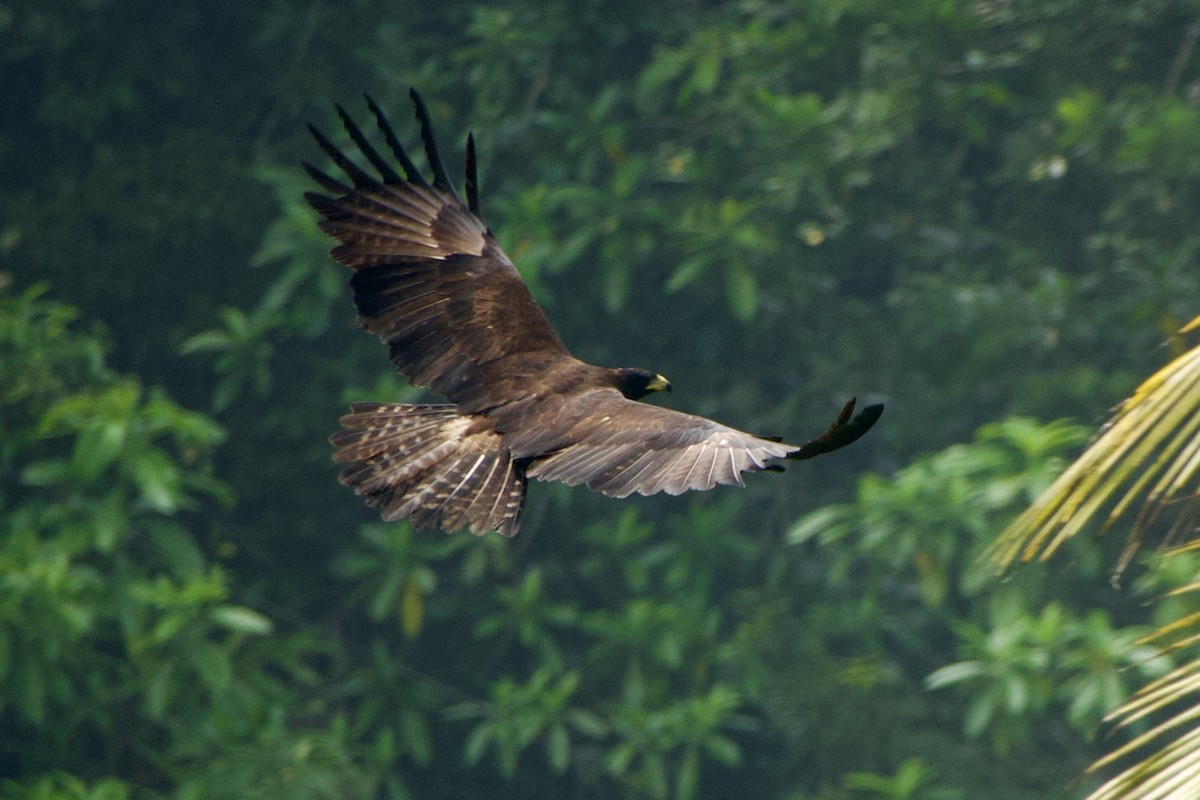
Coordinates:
842 432
441 179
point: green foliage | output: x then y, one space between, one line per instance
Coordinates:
107 600
911 780
122 649
913 548
1020 666
59 786
516 715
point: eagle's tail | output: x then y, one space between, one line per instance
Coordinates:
432 465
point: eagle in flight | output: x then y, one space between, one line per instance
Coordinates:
432 283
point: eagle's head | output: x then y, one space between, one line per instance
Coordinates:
637 383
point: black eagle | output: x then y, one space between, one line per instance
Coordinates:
431 281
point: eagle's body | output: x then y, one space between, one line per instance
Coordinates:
432 282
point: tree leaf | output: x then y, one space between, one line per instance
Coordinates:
242 620
741 290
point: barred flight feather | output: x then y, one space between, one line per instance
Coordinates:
432 465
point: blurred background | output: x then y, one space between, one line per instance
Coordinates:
980 213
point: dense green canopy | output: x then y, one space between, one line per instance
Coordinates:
980 213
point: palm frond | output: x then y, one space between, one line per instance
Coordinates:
1147 457
1172 772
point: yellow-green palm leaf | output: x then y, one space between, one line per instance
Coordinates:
1147 457
1172 772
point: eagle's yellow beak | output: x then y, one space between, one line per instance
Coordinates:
658 384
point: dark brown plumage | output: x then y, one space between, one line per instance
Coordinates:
432 283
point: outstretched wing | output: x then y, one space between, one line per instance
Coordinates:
429 278
618 446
